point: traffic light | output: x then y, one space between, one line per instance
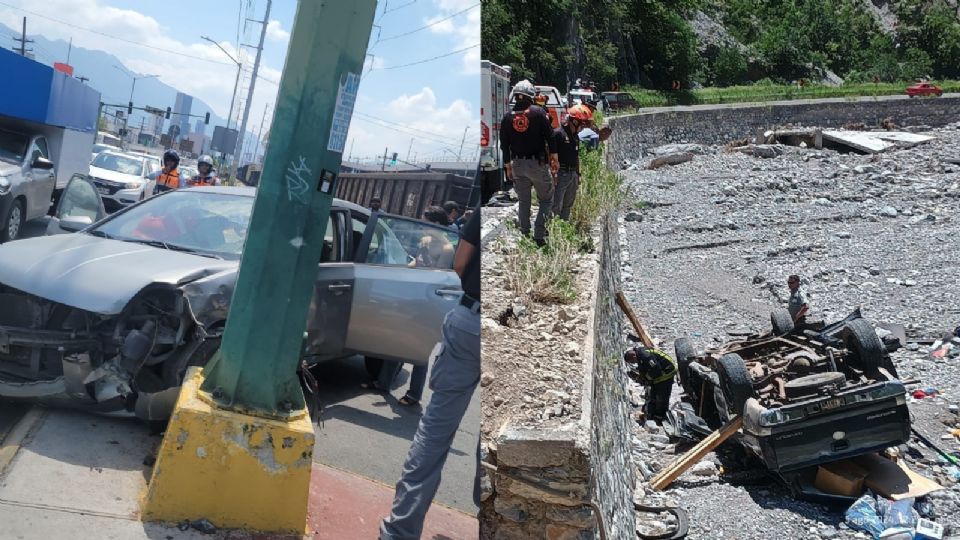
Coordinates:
206 119
130 108
393 160
168 113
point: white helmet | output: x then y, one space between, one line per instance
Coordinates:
205 158
526 88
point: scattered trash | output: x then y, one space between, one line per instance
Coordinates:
863 515
945 348
204 526
901 514
840 478
184 525
894 480
928 530
683 423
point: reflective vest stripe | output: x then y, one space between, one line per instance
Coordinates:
171 179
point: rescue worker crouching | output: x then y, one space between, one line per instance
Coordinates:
654 369
169 177
525 140
206 175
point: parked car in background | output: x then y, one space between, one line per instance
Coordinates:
580 96
556 108
924 89
620 101
27 180
122 178
113 315
99 147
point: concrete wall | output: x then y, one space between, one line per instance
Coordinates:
722 123
588 460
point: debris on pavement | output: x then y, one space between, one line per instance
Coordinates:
204 526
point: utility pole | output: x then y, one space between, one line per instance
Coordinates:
409 148
383 166
239 446
23 39
350 158
69 50
463 140
236 80
253 79
256 147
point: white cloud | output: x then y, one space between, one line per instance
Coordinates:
464 28
276 32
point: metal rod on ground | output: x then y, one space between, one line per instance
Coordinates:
637 327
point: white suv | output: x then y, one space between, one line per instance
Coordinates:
121 178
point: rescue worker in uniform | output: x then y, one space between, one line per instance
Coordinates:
530 158
568 152
205 176
170 176
655 369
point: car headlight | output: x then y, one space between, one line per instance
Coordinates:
131 185
4 185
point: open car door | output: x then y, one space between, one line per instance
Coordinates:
332 301
79 207
404 287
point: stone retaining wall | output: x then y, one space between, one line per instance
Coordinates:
546 480
721 124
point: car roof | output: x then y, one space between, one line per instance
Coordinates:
247 191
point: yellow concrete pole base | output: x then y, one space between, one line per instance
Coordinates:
236 470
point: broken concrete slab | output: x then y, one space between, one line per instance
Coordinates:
670 159
680 148
872 142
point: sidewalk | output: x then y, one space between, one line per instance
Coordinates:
81 476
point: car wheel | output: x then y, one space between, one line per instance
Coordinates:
175 369
13 225
735 381
811 384
373 366
685 354
864 347
781 321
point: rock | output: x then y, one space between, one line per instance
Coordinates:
567 314
910 282
844 235
704 468
864 169
651 426
679 149
874 271
888 211
486 379
572 348
519 310
729 191
829 532
633 216
669 159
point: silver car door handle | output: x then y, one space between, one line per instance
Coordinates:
339 287
448 292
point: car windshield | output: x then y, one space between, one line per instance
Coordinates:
97 148
120 164
13 146
196 221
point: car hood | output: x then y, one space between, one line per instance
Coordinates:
96 274
7 168
114 176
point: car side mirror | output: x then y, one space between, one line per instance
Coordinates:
42 163
75 223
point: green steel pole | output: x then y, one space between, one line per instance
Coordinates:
255 369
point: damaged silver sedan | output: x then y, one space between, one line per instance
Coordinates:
109 318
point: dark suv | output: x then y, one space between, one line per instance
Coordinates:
808 395
619 101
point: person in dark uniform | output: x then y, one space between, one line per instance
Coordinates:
525 140
654 369
454 377
568 153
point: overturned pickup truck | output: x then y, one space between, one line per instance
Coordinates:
808 395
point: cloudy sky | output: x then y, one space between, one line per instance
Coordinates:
430 102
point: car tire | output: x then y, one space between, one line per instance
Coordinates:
685 352
811 384
13 222
864 346
781 321
175 368
735 381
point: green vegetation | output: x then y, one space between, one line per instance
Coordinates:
599 192
651 43
772 92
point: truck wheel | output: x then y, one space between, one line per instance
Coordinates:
735 381
865 348
13 225
811 384
781 321
685 353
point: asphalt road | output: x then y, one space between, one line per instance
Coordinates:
369 433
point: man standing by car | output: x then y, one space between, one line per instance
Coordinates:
205 176
525 136
797 304
170 176
654 369
455 375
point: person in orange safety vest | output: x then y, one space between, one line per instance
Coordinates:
206 176
169 177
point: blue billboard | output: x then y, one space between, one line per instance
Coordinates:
41 94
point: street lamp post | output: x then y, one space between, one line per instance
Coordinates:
126 119
236 80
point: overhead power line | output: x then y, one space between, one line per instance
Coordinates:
434 23
97 32
425 60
